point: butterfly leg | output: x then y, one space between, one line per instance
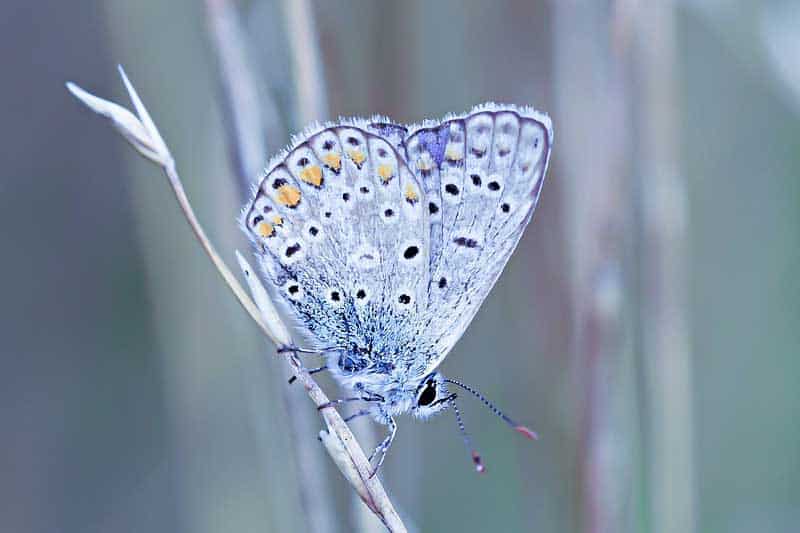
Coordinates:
291 348
311 371
339 401
366 398
384 446
362 412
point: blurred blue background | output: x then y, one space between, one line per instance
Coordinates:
647 327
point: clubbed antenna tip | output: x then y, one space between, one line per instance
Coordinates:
476 458
478 463
527 432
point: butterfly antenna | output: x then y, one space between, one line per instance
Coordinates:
517 427
476 458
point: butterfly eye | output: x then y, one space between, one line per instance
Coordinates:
428 394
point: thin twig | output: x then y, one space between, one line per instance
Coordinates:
245 131
153 147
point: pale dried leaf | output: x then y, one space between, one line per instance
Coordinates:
122 119
157 141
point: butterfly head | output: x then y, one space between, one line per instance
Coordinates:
431 396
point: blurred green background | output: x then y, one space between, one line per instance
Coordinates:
647 327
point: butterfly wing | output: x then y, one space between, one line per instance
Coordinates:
341 232
482 174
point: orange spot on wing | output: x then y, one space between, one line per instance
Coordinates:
411 193
277 220
357 156
288 195
312 175
385 172
333 161
265 229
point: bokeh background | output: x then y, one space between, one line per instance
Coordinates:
648 327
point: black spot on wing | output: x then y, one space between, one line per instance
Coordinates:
466 242
293 249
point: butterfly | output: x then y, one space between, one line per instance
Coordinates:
381 241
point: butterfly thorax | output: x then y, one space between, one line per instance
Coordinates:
390 379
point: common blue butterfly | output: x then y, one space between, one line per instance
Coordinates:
383 240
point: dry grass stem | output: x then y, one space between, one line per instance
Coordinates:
144 136
246 129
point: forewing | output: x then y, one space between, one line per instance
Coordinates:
482 174
339 225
